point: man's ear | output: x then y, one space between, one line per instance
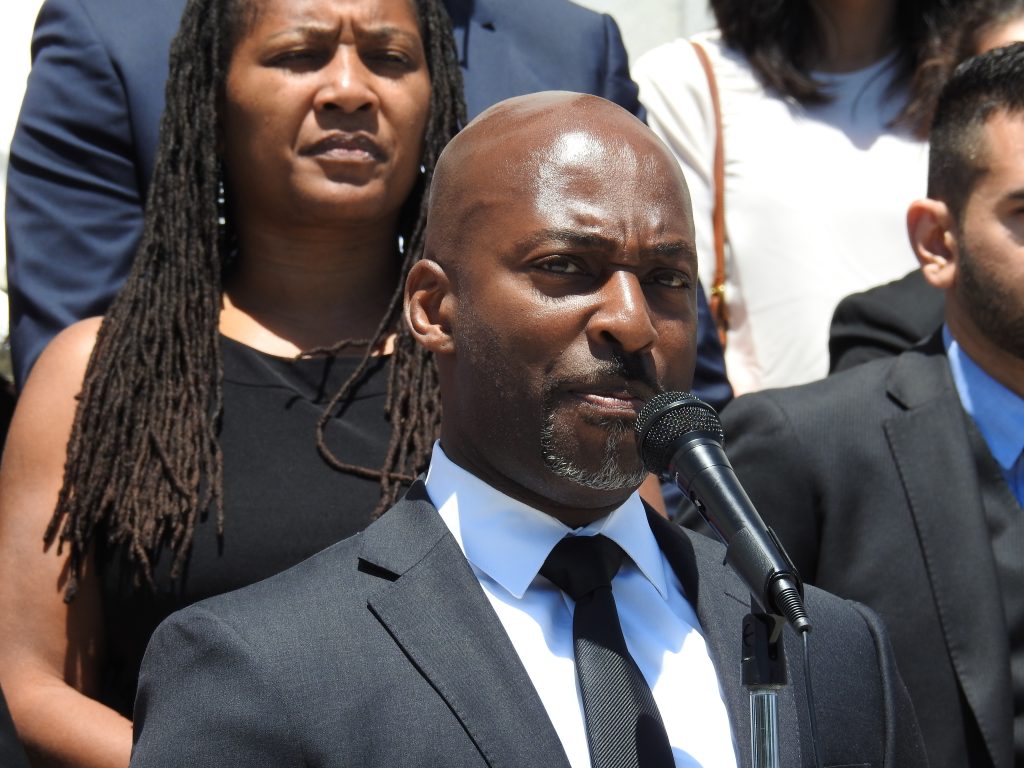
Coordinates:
933 235
428 303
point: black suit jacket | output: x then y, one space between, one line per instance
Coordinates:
869 479
384 650
883 321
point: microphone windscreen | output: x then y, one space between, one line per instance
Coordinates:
667 417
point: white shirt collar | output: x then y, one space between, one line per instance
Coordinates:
509 540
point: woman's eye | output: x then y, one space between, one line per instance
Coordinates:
300 57
391 57
389 60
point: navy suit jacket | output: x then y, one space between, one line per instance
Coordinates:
383 650
85 143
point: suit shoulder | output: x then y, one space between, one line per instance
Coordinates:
847 392
908 302
331 574
829 612
116 20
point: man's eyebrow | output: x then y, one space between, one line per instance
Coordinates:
593 241
565 237
673 248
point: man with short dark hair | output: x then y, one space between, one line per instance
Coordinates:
521 606
899 483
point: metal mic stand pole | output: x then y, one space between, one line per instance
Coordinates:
764 673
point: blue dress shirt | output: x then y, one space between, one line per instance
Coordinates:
998 413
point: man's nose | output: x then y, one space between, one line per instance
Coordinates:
622 316
346 84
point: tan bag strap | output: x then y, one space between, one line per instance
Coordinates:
719 309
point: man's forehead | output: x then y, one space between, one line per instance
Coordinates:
545 157
569 125
543 145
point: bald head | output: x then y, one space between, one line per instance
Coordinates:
559 293
524 145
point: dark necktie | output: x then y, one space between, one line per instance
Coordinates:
624 727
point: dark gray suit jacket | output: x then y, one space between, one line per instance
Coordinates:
384 650
870 480
883 321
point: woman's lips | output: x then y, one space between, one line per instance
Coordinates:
351 148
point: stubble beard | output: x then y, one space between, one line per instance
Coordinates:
610 475
991 307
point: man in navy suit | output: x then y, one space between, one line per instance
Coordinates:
85 143
558 293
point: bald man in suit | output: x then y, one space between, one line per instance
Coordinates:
558 294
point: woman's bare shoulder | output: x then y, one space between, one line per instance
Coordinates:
64 360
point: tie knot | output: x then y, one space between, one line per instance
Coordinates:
580 564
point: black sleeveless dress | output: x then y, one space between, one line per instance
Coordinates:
282 502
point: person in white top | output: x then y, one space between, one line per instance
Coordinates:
558 292
823 152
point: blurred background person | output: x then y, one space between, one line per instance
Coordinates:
823 151
83 151
900 482
288 201
887 319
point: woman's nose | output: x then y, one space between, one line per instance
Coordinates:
347 83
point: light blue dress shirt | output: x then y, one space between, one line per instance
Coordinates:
997 412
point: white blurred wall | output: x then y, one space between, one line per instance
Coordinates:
647 23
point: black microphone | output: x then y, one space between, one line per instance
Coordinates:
680 438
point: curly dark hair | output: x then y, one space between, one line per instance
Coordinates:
143 460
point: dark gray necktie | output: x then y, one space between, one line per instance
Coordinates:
624 727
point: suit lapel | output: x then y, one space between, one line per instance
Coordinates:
433 606
721 602
929 441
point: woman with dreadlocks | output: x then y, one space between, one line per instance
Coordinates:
212 429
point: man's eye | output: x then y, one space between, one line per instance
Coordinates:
560 265
671 279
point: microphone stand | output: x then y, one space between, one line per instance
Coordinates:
764 673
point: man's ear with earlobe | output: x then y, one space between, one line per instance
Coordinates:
933 235
428 306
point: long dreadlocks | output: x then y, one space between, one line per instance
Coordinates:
143 461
